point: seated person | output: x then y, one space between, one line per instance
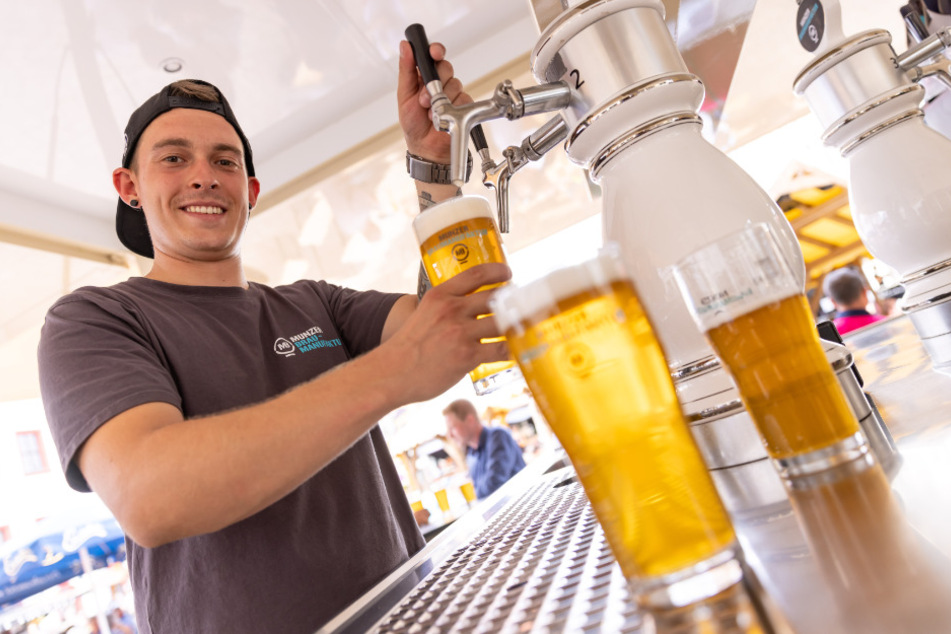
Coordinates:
847 289
492 455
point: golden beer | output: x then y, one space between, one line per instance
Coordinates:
461 245
784 378
442 499
468 492
454 236
599 376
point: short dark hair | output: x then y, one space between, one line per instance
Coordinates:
844 286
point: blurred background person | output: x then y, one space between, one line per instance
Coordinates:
492 455
848 290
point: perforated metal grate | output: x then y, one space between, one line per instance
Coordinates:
542 565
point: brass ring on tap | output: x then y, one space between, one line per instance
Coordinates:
905 116
638 134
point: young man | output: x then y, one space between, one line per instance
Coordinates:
847 290
229 426
492 455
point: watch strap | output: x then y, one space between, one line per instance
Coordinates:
429 172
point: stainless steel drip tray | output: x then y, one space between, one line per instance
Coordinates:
533 558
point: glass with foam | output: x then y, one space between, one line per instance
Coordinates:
456 235
743 295
597 372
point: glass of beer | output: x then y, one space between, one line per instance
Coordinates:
442 499
743 295
453 236
468 491
597 372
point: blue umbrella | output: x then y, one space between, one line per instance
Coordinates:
56 555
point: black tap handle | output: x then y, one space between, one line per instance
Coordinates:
416 36
478 137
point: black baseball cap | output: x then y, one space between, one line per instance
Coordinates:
131 227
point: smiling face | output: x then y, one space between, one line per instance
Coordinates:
189 176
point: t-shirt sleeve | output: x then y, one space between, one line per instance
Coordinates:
360 315
95 361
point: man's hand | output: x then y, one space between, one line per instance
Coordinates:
422 139
440 341
422 516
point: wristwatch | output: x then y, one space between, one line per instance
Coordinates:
428 172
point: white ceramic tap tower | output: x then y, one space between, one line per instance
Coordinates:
867 99
633 124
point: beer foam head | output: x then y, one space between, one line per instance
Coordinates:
513 304
448 212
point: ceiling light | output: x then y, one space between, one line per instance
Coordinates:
172 65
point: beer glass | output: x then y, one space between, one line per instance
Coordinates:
453 236
743 295
442 499
468 491
597 372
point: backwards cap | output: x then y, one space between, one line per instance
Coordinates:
131 227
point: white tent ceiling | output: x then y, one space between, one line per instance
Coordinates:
313 85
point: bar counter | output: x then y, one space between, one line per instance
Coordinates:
847 550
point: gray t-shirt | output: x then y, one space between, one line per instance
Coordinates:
294 565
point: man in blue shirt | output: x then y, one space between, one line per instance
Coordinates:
492 455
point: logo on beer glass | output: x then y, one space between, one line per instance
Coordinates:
580 358
461 253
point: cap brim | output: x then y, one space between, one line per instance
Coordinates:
133 231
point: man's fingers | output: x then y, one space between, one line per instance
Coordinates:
455 93
444 70
437 51
408 81
480 275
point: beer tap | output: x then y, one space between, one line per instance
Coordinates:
869 100
506 102
628 114
931 47
533 147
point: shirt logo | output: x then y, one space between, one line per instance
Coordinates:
311 339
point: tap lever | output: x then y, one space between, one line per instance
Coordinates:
478 137
482 146
416 36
